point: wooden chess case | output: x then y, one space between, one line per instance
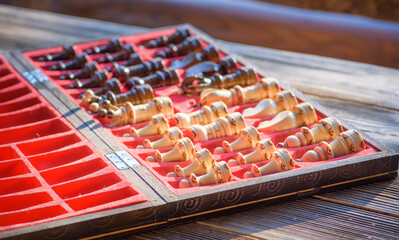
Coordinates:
166 205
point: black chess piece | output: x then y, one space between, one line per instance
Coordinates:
78 61
118 56
114 45
191 44
68 52
88 71
175 38
98 80
159 79
140 70
209 53
137 95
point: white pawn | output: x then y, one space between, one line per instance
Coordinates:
303 114
230 125
249 137
348 142
281 161
327 129
220 173
263 151
202 164
206 115
169 139
183 151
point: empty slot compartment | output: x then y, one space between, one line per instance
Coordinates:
33 131
48 145
22 201
32 215
26 117
13 94
100 198
12 168
16 106
5 83
73 171
4 71
85 186
19 184
7 153
59 158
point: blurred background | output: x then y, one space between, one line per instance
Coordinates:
359 30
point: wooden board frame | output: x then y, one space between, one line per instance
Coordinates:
168 207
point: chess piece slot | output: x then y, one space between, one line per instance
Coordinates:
169 139
98 80
78 61
140 70
113 45
182 151
263 151
248 138
327 129
129 114
280 161
220 173
159 79
230 125
284 100
175 38
244 76
68 52
202 164
209 53
204 116
302 114
157 126
88 71
191 44
123 54
266 88
346 143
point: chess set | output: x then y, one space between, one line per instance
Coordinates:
146 129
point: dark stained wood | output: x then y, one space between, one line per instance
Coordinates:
332 211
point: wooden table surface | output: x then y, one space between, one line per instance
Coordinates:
365 95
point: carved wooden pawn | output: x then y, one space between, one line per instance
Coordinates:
327 129
202 164
159 79
98 80
191 44
280 161
263 151
176 37
284 100
68 52
249 137
169 139
88 71
266 88
302 114
346 143
78 62
140 70
112 85
123 54
157 126
113 45
220 173
138 95
182 151
230 125
208 114
129 114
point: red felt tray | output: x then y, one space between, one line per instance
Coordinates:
180 104
48 170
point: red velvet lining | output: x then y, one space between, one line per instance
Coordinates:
48 170
181 104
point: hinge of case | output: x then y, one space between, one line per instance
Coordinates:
128 159
117 161
30 77
39 75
